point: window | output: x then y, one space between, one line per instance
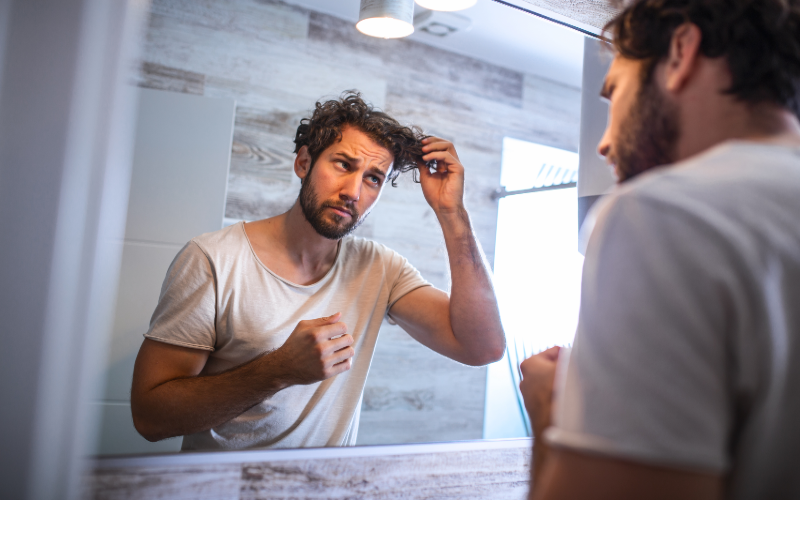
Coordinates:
537 270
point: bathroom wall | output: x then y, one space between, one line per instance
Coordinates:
276 60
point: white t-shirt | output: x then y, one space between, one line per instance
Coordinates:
687 352
219 296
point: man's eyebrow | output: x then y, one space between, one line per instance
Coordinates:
376 170
350 158
346 156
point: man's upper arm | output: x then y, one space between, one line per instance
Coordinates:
158 363
425 314
574 475
647 380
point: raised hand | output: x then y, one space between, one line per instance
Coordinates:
316 350
444 188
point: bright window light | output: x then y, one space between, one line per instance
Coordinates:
537 271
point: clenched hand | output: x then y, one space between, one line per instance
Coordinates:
316 350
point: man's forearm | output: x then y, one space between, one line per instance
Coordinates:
189 405
474 315
539 459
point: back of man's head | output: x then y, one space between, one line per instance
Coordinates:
760 40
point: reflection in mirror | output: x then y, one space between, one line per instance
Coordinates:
224 85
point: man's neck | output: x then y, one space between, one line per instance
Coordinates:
289 245
724 119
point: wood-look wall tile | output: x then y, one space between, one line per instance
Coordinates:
451 70
155 76
263 144
254 199
255 20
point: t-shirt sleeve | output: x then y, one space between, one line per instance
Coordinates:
403 278
646 379
186 310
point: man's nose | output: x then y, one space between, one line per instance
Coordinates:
605 145
351 188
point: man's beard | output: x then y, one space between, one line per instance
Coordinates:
649 134
315 213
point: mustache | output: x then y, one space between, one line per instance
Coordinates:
343 206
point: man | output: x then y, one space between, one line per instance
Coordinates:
264 331
684 377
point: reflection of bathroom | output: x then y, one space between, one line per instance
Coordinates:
219 103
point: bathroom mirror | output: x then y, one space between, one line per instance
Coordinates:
233 79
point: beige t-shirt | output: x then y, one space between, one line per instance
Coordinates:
219 296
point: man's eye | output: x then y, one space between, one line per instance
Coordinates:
375 180
345 165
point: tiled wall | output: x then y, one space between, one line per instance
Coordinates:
276 60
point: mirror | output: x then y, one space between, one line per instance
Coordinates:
251 69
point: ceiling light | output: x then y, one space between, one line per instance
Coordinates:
446 5
387 19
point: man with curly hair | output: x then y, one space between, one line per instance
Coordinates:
684 377
264 331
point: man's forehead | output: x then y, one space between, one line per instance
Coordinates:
357 144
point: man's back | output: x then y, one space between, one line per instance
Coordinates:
687 353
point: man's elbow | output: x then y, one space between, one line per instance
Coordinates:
488 354
147 428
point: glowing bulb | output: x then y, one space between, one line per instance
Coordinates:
385 27
388 19
446 5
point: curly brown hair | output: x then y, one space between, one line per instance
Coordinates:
329 118
759 38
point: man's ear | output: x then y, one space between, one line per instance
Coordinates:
683 50
302 163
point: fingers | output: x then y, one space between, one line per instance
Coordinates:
335 317
324 333
334 345
443 156
344 366
543 362
348 352
551 354
436 143
439 146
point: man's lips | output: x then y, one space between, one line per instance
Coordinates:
341 211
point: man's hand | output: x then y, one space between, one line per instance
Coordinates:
316 350
538 375
444 188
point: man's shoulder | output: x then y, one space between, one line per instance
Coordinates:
363 248
222 238
718 172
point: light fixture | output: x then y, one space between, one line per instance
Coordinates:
388 19
446 5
